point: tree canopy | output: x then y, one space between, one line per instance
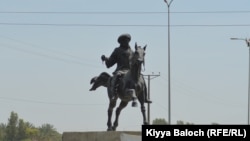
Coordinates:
19 130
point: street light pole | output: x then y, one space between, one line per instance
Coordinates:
169 85
248 105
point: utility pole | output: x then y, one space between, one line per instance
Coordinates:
248 105
149 77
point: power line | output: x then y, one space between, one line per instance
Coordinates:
125 25
185 89
49 56
210 12
73 59
126 12
211 25
46 102
46 49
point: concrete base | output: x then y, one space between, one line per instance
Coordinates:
102 136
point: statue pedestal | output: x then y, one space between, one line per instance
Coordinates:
102 136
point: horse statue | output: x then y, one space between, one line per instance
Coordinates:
131 86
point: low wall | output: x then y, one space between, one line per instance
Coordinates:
102 136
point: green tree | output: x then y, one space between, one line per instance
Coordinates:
19 130
11 129
180 122
48 133
21 134
32 133
2 131
159 121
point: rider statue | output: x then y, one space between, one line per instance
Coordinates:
121 56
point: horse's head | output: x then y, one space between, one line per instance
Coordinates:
139 54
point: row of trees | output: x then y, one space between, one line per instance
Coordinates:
162 121
18 130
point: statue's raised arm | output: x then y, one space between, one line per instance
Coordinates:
121 55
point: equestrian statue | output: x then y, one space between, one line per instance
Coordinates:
127 83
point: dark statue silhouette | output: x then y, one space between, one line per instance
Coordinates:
127 83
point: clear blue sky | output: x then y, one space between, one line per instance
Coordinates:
50 49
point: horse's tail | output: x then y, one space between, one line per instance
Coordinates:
101 80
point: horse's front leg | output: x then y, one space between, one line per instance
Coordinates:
112 104
122 105
143 108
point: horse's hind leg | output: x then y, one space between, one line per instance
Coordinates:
122 105
112 104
